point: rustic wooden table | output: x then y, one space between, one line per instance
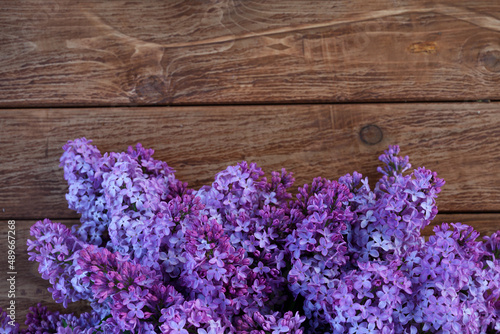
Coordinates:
318 87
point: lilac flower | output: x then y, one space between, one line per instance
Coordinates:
217 258
40 320
274 323
261 268
298 271
215 273
241 256
178 327
57 250
7 325
363 282
135 310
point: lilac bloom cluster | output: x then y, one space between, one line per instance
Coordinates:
57 251
456 283
82 164
136 297
269 323
239 241
7 326
40 320
342 292
317 247
242 256
390 218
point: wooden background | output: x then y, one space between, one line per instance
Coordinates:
318 87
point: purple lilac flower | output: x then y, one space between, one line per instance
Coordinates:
122 198
56 250
317 246
136 189
83 166
216 271
390 218
41 320
152 255
123 285
272 323
192 316
253 216
7 325
451 292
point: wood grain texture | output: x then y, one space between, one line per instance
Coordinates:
32 289
113 53
459 141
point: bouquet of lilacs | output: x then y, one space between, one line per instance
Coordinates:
243 256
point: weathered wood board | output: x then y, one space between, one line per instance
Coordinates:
82 53
459 141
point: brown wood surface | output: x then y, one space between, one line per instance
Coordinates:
32 289
459 141
69 53
279 68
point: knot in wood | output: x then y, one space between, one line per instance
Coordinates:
371 134
491 60
151 89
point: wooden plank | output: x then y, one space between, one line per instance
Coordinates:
459 141
32 289
81 53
